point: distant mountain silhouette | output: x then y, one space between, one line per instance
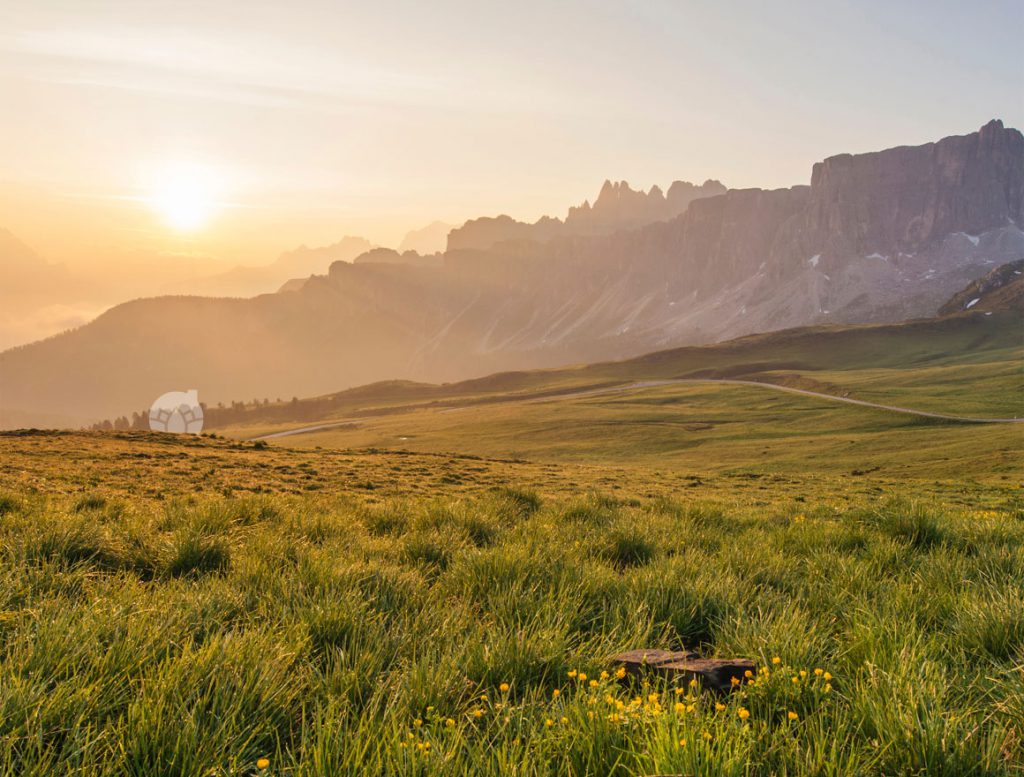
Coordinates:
617 207
15 255
431 239
248 281
875 237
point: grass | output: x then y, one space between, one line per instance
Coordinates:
468 634
208 606
963 365
702 428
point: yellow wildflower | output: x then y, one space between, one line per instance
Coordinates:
719 706
450 722
620 672
792 715
503 687
564 720
776 660
744 713
734 680
828 676
549 722
819 672
555 693
262 763
572 673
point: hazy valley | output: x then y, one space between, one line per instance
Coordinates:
875 237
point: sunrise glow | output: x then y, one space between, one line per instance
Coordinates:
185 195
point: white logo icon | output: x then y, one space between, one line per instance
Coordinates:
178 412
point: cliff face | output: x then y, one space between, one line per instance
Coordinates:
902 199
875 237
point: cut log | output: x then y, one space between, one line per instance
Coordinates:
715 673
684 666
640 661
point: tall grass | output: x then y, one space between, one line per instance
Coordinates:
469 636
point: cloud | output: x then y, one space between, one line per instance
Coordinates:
243 70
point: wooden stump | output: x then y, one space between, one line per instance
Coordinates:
715 673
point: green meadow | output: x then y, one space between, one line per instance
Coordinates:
187 607
436 586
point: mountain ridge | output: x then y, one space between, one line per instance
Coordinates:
731 264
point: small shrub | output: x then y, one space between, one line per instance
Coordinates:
427 550
911 523
8 504
479 530
72 542
194 553
386 521
627 548
517 503
994 628
340 625
588 512
90 502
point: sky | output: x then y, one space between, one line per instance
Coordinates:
298 123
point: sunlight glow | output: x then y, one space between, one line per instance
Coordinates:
184 194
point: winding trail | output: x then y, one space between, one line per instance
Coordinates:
684 381
762 384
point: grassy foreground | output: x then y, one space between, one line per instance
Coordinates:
467 632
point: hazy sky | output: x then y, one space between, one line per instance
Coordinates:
306 121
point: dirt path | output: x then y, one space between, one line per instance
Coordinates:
789 389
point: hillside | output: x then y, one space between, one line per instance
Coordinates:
1001 289
874 238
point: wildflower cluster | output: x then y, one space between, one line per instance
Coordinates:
779 691
773 694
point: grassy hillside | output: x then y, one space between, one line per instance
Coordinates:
970 365
193 606
694 428
434 587
965 364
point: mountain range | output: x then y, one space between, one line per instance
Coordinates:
876 237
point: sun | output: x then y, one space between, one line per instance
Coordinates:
184 194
